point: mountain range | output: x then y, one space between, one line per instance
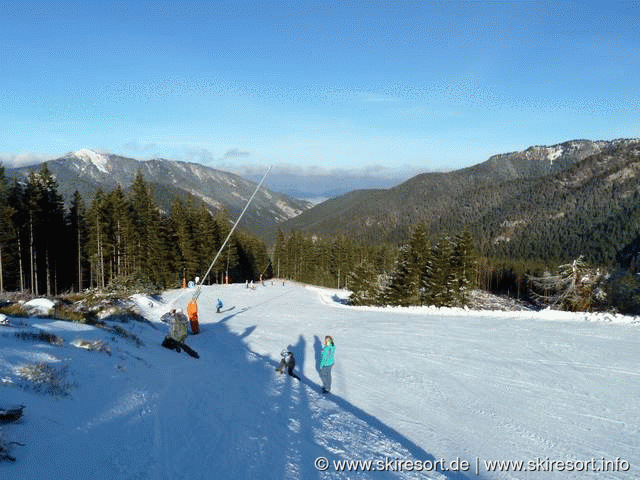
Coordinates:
579 197
547 202
87 171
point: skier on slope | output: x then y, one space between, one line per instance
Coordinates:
326 363
287 362
219 306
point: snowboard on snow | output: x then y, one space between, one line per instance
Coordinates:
173 344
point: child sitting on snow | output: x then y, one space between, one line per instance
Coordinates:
287 361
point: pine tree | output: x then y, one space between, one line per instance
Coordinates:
438 281
45 229
229 257
7 229
76 220
402 287
264 268
405 286
419 256
182 225
363 283
53 229
32 195
464 265
119 231
279 254
206 239
20 216
148 236
97 245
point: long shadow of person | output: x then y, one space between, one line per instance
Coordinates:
301 407
317 350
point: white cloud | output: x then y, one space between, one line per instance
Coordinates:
25 159
235 153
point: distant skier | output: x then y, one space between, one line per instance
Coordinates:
219 306
287 362
326 363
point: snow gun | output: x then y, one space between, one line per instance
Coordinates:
192 305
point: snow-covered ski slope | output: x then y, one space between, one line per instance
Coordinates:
440 387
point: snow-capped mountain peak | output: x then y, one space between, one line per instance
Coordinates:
99 160
86 171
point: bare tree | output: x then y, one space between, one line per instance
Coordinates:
572 288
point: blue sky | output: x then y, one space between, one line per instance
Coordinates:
377 90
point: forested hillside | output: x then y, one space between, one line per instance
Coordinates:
86 171
520 231
550 203
115 239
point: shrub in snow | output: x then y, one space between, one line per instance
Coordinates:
69 313
44 378
40 337
96 345
133 283
5 449
574 287
13 310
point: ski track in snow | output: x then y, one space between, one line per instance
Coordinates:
408 384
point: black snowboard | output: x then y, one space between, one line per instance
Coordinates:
173 344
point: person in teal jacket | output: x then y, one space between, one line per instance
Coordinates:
326 363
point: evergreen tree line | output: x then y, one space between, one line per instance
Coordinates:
326 261
438 274
118 239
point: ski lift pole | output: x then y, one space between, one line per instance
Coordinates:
266 268
196 294
192 305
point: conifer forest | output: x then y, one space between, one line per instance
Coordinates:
121 241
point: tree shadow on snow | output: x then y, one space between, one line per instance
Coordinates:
248 331
297 426
415 450
341 301
261 425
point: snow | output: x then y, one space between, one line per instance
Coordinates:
40 306
420 384
554 153
99 160
287 210
239 196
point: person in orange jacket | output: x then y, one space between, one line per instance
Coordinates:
192 312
